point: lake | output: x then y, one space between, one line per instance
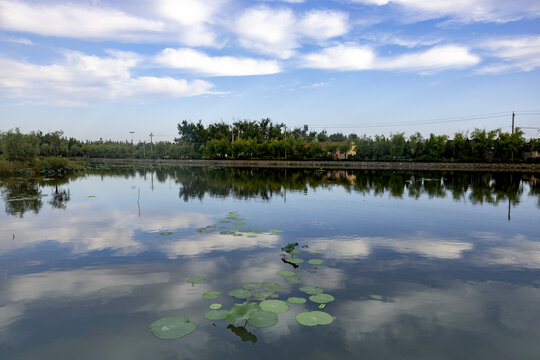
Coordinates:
418 265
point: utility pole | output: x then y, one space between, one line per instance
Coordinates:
513 116
151 145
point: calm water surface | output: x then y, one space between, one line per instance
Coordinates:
421 265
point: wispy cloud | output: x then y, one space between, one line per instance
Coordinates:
352 57
465 11
518 53
80 76
200 63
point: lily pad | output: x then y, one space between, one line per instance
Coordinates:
241 312
91 196
252 236
172 327
285 273
240 293
239 223
314 254
233 212
236 234
296 300
314 318
292 280
215 306
322 306
252 285
166 233
211 295
275 306
275 231
321 298
216 315
263 319
315 261
311 289
224 221
294 261
272 286
263 295
196 279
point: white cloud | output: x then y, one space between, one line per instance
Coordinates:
16 40
463 10
324 24
355 57
189 12
520 53
203 64
74 21
80 77
279 32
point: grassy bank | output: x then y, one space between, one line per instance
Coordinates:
344 165
42 166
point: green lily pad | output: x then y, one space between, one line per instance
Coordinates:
275 231
322 306
245 218
314 318
272 286
211 295
215 306
263 319
196 279
239 223
224 221
295 252
228 232
294 260
263 295
252 236
172 327
321 298
166 233
315 261
311 290
233 212
216 315
296 300
252 285
91 196
314 254
236 234
241 312
240 293
292 280
275 306
285 273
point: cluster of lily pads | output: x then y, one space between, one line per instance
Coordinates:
259 309
231 226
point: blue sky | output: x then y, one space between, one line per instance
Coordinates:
99 69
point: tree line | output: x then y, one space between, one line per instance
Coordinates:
264 139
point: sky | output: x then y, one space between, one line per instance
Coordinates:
102 69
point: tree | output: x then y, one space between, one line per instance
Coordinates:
20 147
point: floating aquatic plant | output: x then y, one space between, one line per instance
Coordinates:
215 306
311 289
275 231
272 286
285 273
252 236
263 295
241 312
252 285
322 306
224 221
314 254
293 261
263 319
315 261
239 223
211 295
314 318
172 327
292 280
295 252
196 279
321 298
289 248
275 306
296 300
240 293
216 315
166 233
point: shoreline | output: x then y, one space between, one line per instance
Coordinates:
307 164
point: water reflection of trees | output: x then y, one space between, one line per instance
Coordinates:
23 195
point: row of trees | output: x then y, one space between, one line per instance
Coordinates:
266 140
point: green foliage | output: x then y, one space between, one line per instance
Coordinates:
20 147
290 247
